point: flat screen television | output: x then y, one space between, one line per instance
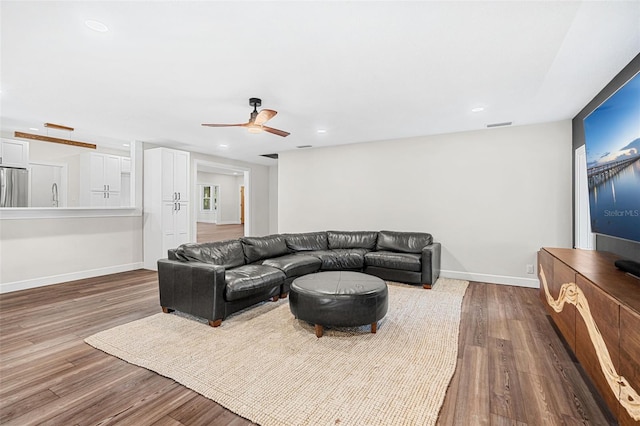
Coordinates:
612 141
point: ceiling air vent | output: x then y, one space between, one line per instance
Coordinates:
506 123
303 146
274 156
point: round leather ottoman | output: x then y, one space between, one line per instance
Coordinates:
339 298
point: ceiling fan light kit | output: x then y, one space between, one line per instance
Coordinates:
256 120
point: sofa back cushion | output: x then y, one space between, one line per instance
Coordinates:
224 253
352 239
307 241
258 248
403 242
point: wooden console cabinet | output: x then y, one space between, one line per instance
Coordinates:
596 307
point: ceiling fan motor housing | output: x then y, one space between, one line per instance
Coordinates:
255 102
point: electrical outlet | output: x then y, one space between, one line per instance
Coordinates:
529 269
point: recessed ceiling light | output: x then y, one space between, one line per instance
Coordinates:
125 144
96 26
223 146
322 131
34 129
477 109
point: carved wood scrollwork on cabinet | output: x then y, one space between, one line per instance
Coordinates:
596 308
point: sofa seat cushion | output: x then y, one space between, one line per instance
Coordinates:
340 259
393 260
295 265
250 280
258 248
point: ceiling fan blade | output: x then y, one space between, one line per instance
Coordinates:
264 116
275 131
226 125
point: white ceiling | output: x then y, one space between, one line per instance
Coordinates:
362 71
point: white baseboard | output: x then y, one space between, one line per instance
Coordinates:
228 222
57 279
491 279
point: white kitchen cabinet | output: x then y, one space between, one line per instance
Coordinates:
104 171
14 153
104 199
175 176
166 203
175 225
100 182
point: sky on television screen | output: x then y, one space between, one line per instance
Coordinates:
612 131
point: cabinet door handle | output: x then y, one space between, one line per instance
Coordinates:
178 206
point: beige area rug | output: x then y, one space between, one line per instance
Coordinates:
270 368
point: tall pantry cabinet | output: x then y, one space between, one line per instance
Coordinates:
166 203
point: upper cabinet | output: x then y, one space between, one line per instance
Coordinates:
14 153
175 175
104 171
101 182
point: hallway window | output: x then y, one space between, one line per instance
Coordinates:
209 198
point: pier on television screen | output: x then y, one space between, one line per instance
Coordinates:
612 139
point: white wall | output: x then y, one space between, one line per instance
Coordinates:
491 197
38 252
273 200
52 246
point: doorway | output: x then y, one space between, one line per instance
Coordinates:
48 185
222 209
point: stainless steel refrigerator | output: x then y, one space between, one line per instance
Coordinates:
14 185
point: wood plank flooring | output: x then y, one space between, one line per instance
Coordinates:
512 367
213 232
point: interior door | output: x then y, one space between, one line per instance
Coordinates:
242 205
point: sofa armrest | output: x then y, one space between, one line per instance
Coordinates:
195 288
431 263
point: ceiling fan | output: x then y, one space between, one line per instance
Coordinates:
256 120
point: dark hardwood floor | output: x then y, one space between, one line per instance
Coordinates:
512 367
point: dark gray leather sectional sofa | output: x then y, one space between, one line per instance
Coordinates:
214 280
